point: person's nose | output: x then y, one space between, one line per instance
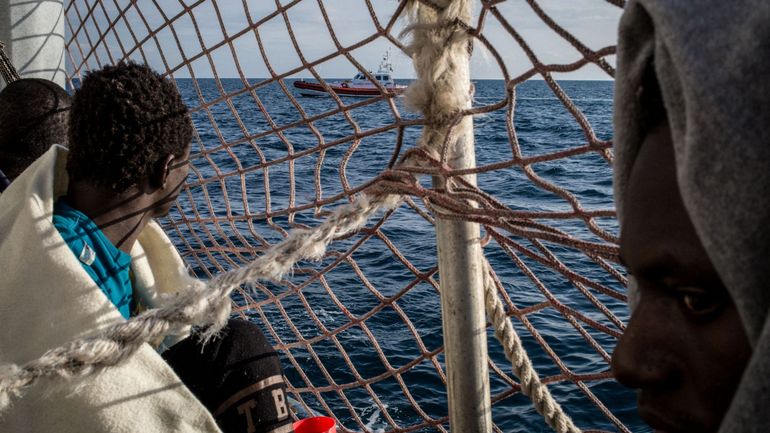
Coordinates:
642 358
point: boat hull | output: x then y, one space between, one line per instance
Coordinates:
306 88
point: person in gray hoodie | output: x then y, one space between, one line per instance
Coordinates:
692 188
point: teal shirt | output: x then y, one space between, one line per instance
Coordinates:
106 264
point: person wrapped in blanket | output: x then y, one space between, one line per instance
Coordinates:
692 187
33 117
104 259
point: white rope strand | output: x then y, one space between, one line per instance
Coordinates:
202 304
531 385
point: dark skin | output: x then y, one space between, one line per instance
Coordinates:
122 216
685 348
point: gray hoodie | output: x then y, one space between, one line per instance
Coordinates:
712 60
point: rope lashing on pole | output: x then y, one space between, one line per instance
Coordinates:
440 48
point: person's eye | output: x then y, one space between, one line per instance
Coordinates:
698 302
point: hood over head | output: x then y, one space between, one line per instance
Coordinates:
712 63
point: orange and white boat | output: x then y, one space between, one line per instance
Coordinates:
359 86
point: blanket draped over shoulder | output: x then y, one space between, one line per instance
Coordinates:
48 300
712 62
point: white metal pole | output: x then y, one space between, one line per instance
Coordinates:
463 314
460 275
33 33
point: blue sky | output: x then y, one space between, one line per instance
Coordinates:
593 21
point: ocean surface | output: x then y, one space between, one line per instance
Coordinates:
543 125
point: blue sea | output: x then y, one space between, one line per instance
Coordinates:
380 289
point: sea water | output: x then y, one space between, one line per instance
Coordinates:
542 125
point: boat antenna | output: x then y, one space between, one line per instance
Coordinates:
386 65
7 70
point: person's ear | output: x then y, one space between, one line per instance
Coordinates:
162 171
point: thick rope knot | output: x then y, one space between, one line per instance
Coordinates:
439 48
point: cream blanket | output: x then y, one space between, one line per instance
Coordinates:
47 300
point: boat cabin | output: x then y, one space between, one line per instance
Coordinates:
380 76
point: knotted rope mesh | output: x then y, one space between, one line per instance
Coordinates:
359 330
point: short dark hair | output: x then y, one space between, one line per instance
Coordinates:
124 120
33 116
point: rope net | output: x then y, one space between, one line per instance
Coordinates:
359 330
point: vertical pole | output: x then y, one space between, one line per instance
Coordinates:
442 60
462 310
33 33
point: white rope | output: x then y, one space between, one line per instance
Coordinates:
202 304
531 386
